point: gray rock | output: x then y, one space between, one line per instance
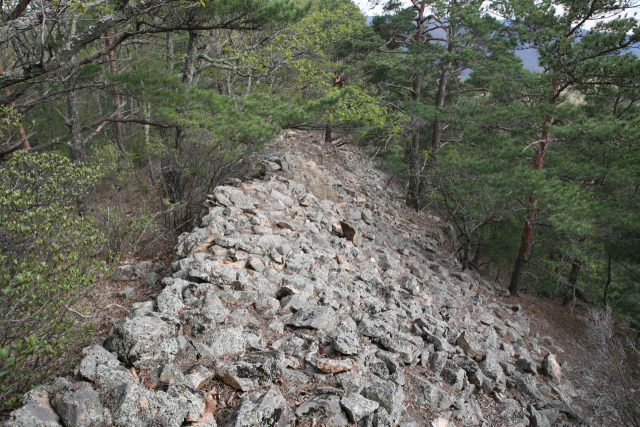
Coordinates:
323 318
140 309
432 395
358 407
455 376
198 375
438 361
149 280
471 346
170 373
145 341
295 376
227 341
267 306
405 349
382 419
127 293
346 343
324 408
511 411
135 405
213 307
292 303
124 272
527 364
256 370
389 395
536 418
169 301
200 322
492 369
353 382
35 412
262 409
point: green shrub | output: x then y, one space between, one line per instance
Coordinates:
48 266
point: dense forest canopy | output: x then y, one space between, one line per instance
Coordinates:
537 171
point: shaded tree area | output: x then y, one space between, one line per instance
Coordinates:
535 170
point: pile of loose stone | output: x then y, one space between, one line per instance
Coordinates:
316 313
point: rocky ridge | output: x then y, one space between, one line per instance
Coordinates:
283 308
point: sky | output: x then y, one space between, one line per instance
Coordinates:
366 9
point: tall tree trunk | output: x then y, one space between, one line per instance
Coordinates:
191 60
414 148
575 271
438 126
75 144
414 155
117 126
608 282
530 219
170 59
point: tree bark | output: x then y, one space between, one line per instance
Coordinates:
413 190
438 126
170 51
117 126
530 219
190 60
76 143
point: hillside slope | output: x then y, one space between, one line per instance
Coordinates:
335 306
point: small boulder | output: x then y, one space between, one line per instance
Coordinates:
357 407
145 341
263 408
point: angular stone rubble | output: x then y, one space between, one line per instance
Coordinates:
339 312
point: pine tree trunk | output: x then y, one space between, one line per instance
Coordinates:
327 134
117 126
414 155
413 190
438 126
530 220
525 248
